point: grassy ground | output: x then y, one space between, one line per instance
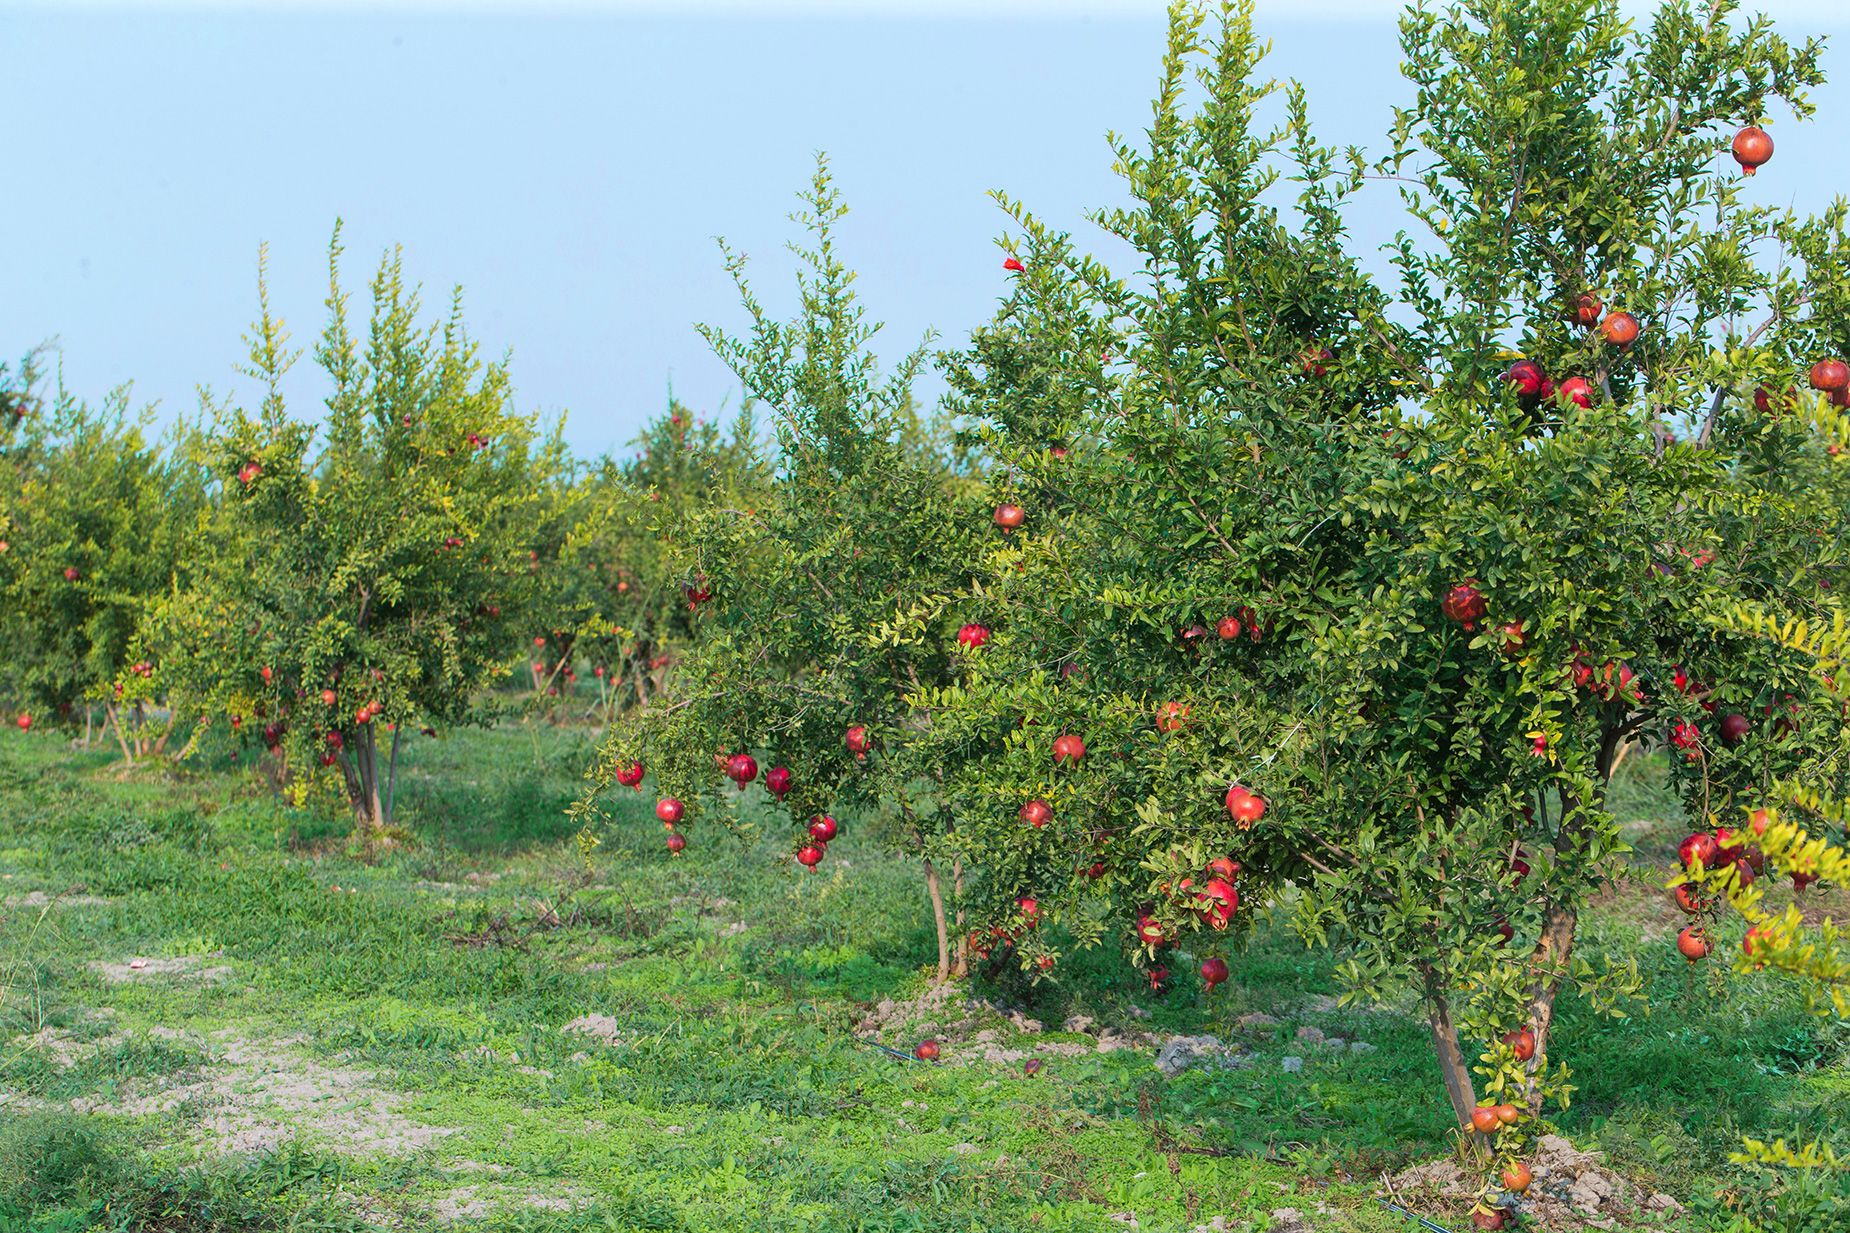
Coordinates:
485 1028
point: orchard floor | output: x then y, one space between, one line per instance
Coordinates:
214 1017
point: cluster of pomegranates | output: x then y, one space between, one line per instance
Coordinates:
1721 848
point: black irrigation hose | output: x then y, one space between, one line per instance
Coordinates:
1424 1223
907 1057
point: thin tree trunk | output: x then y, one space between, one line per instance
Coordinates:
937 915
113 718
391 778
1549 966
1454 1069
88 715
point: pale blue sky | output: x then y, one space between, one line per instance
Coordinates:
571 167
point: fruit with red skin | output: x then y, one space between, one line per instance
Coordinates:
1213 972
1685 736
777 781
1830 376
1527 377
1744 873
1734 727
1801 880
741 768
1036 813
265 674
1464 603
972 636
1045 963
1068 748
1489 1217
1219 902
1728 847
24 721
1751 148
1506 1114
1192 636
70 573
1030 909
1150 931
1095 870
857 740
1517 1178
1171 717
670 809
1159 980
1757 937
927 1051
1619 329
328 697
1586 311
1505 929
1577 390
1008 517
1689 898
539 640
1224 867
1693 944
1228 628
1013 265
676 841
1521 1043
630 776
1484 1120
1758 821
810 855
1514 637
822 827
1768 403
1316 360
1032 1067
1699 847
1244 805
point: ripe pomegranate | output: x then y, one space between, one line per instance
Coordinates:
973 636
1489 1217
1031 1067
1507 1114
857 740
1514 637
1699 847
1517 1178
265 674
1527 377
1619 329
1008 517
1030 908
1586 311
1213 972
1464 603
1150 931
1245 805
927 1051
1219 902
630 776
70 573
1068 748
1689 898
810 855
1757 937
1228 628
741 768
777 781
1830 376
1693 943
1802 879
1752 147
676 841
1521 1042
24 721
1224 867
1315 360
822 827
1484 1120
1734 727
1171 716
1036 813
1577 390
670 809
328 697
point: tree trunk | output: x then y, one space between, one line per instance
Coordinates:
1454 1069
113 718
391 778
937 914
1549 967
88 715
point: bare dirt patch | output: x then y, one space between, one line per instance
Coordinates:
985 1031
1573 1190
604 1028
184 967
49 899
254 1095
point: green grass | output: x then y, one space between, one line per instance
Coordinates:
440 976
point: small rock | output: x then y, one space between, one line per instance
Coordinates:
1335 1042
1291 1065
1288 1220
1127 1219
1077 1023
1138 1012
1663 1203
963 1149
1181 1052
1360 1046
1257 1019
1310 1035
